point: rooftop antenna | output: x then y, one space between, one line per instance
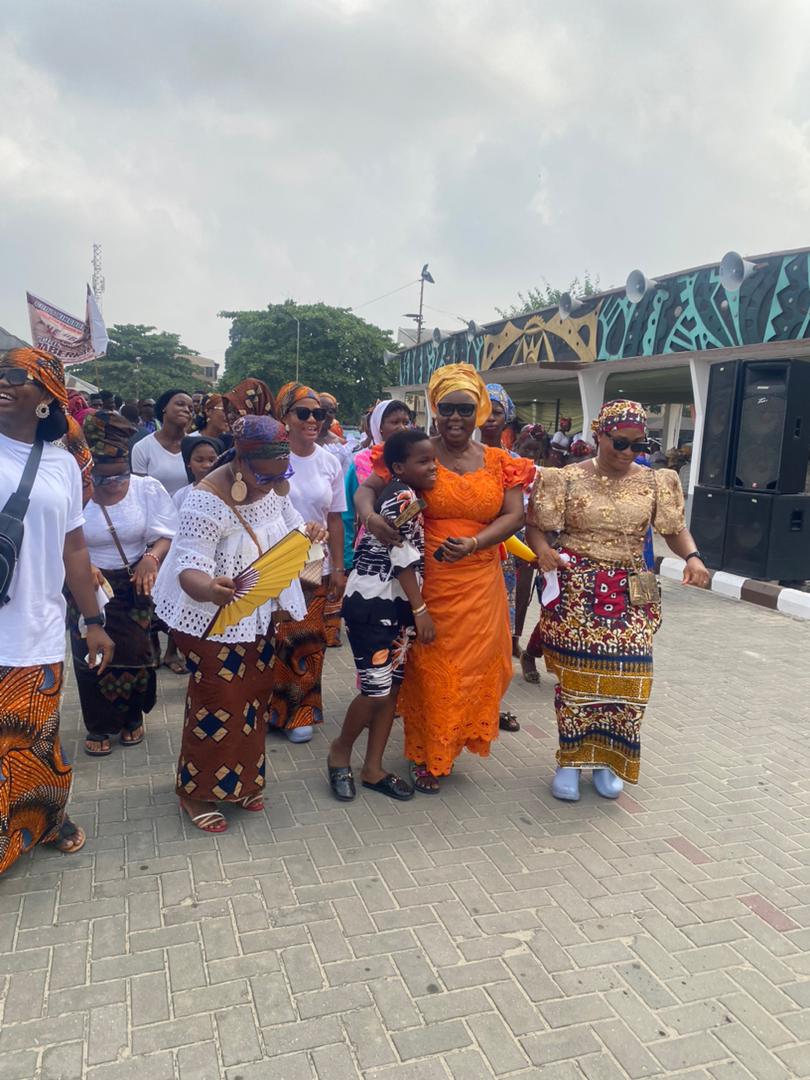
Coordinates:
99 283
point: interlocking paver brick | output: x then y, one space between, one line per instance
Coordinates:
369 1038
108 1033
435 1039
238 1037
199 1062
491 931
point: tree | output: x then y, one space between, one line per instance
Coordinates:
142 362
339 352
538 298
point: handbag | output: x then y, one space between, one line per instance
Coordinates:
12 529
643 586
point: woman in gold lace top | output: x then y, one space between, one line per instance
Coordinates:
597 630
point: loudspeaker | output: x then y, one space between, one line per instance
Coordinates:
568 306
733 271
773 439
708 524
768 536
638 285
719 426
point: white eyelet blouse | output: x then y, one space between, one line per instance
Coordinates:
210 538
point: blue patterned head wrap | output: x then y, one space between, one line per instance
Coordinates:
497 393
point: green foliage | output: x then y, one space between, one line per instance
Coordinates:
162 363
538 298
340 353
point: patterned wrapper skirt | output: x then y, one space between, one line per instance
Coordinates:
599 647
225 722
34 777
296 700
331 622
117 700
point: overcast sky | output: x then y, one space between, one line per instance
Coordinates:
229 154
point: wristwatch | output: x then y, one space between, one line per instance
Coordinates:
95 620
693 555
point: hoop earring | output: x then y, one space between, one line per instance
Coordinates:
238 489
43 411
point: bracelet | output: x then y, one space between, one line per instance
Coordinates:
150 555
421 610
693 555
368 518
475 541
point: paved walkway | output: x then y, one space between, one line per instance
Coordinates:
490 931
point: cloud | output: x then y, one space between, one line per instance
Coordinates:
227 155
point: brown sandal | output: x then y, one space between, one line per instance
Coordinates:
69 839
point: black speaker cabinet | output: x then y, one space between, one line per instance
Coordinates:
708 523
773 437
768 536
720 425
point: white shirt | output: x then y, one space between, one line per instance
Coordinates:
144 515
210 538
32 623
149 458
317 489
179 496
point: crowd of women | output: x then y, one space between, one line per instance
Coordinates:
128 538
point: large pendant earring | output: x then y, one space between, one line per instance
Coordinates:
239 489
43 411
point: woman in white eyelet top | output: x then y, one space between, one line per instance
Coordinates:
240 510
210 538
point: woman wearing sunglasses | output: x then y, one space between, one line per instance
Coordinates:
128 525
238 511
35 776
317 493
598 622
451 695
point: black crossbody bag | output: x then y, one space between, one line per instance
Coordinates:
12 529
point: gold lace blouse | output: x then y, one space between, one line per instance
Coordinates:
603 518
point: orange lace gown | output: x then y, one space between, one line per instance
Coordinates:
452 690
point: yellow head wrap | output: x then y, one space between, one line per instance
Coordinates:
452 377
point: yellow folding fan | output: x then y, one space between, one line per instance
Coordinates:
263 580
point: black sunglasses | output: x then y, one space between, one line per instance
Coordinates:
304 414
15 376
109 481
620 443
464 408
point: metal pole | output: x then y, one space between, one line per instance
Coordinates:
297 345
419 323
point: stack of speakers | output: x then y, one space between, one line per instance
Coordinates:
751 509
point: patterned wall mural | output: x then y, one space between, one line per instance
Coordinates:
687 312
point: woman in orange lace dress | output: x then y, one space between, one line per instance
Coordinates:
451 695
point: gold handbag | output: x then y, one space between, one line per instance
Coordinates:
643 586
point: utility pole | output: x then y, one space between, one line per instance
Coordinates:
423 277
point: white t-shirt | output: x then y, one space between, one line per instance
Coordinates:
149 458
317 488
32 623
144 515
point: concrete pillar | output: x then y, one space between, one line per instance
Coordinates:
592 381
699 372
672 426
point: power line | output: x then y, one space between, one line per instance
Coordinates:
407 285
